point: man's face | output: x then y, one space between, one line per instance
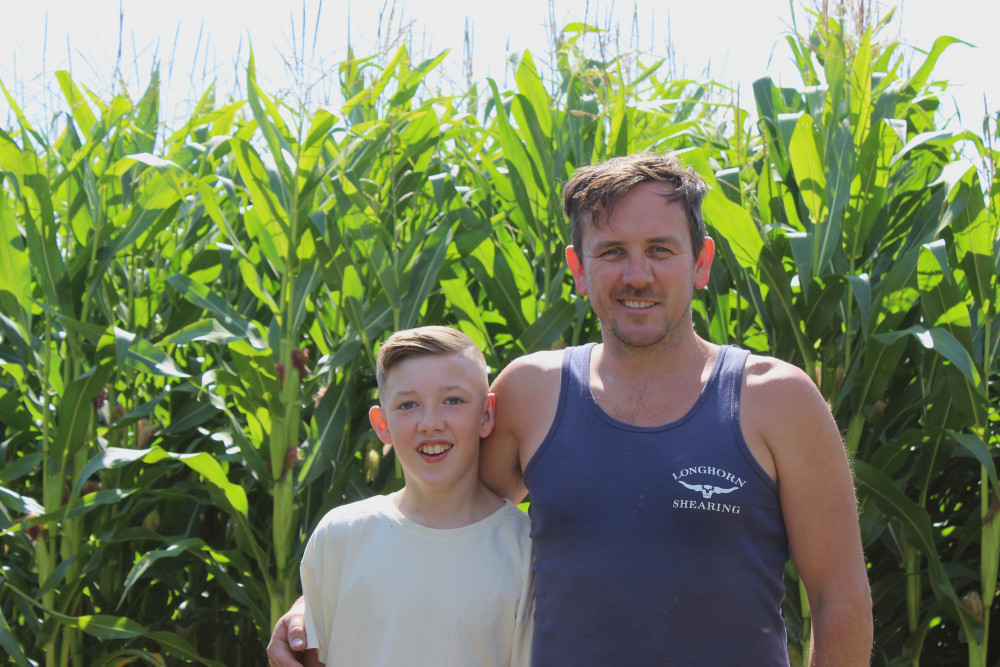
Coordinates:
639 270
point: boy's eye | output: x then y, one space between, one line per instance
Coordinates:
406 405
453 400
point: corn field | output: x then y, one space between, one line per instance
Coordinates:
188 320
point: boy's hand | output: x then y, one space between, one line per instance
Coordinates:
288 638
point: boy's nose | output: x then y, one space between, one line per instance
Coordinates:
430 421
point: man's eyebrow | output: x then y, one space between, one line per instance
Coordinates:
661 240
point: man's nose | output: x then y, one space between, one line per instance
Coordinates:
638 271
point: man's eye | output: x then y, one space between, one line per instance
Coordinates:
611 252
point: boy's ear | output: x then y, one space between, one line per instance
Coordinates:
489 415
377 417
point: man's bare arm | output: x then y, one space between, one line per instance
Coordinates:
527 392
819 506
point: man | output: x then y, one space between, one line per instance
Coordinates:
670 478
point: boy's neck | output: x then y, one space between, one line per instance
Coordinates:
447 509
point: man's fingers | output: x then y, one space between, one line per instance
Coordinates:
297 633
278 650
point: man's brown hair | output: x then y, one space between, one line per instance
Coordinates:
424 341
593 191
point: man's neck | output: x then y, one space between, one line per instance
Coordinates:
651 388
669 361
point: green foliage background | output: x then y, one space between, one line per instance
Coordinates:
188 321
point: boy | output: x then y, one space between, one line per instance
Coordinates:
438 573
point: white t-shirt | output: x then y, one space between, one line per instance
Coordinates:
383 590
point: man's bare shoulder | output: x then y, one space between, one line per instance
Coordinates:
768 378
782 407
538 371
541 361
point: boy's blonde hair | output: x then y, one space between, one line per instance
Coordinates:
425 341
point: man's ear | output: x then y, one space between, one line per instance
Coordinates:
576 268
376 415
703 265
489 415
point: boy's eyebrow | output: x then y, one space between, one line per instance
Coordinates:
447 387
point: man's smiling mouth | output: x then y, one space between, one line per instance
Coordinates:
632 303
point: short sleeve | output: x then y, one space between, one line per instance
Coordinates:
319 572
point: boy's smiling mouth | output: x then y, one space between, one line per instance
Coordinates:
434 448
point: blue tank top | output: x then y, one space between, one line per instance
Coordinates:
656 545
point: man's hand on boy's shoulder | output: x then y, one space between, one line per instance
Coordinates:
288 640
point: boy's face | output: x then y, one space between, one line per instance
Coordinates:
434 409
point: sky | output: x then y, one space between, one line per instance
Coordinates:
194 42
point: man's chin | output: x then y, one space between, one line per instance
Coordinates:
639 340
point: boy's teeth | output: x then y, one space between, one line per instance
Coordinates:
435 449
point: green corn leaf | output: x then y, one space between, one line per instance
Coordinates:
940 297
804 150
861 289
532 90
270 213
227 316
309 276
15 268
146 355
919 78
10 644
521 270
40 231
82 113
974 236
149 558
208 329
728 219
179 647
202 463
470 319
979 449
944 343
22 504
494 274
548 327
75 411
271 126
19 467
916 525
